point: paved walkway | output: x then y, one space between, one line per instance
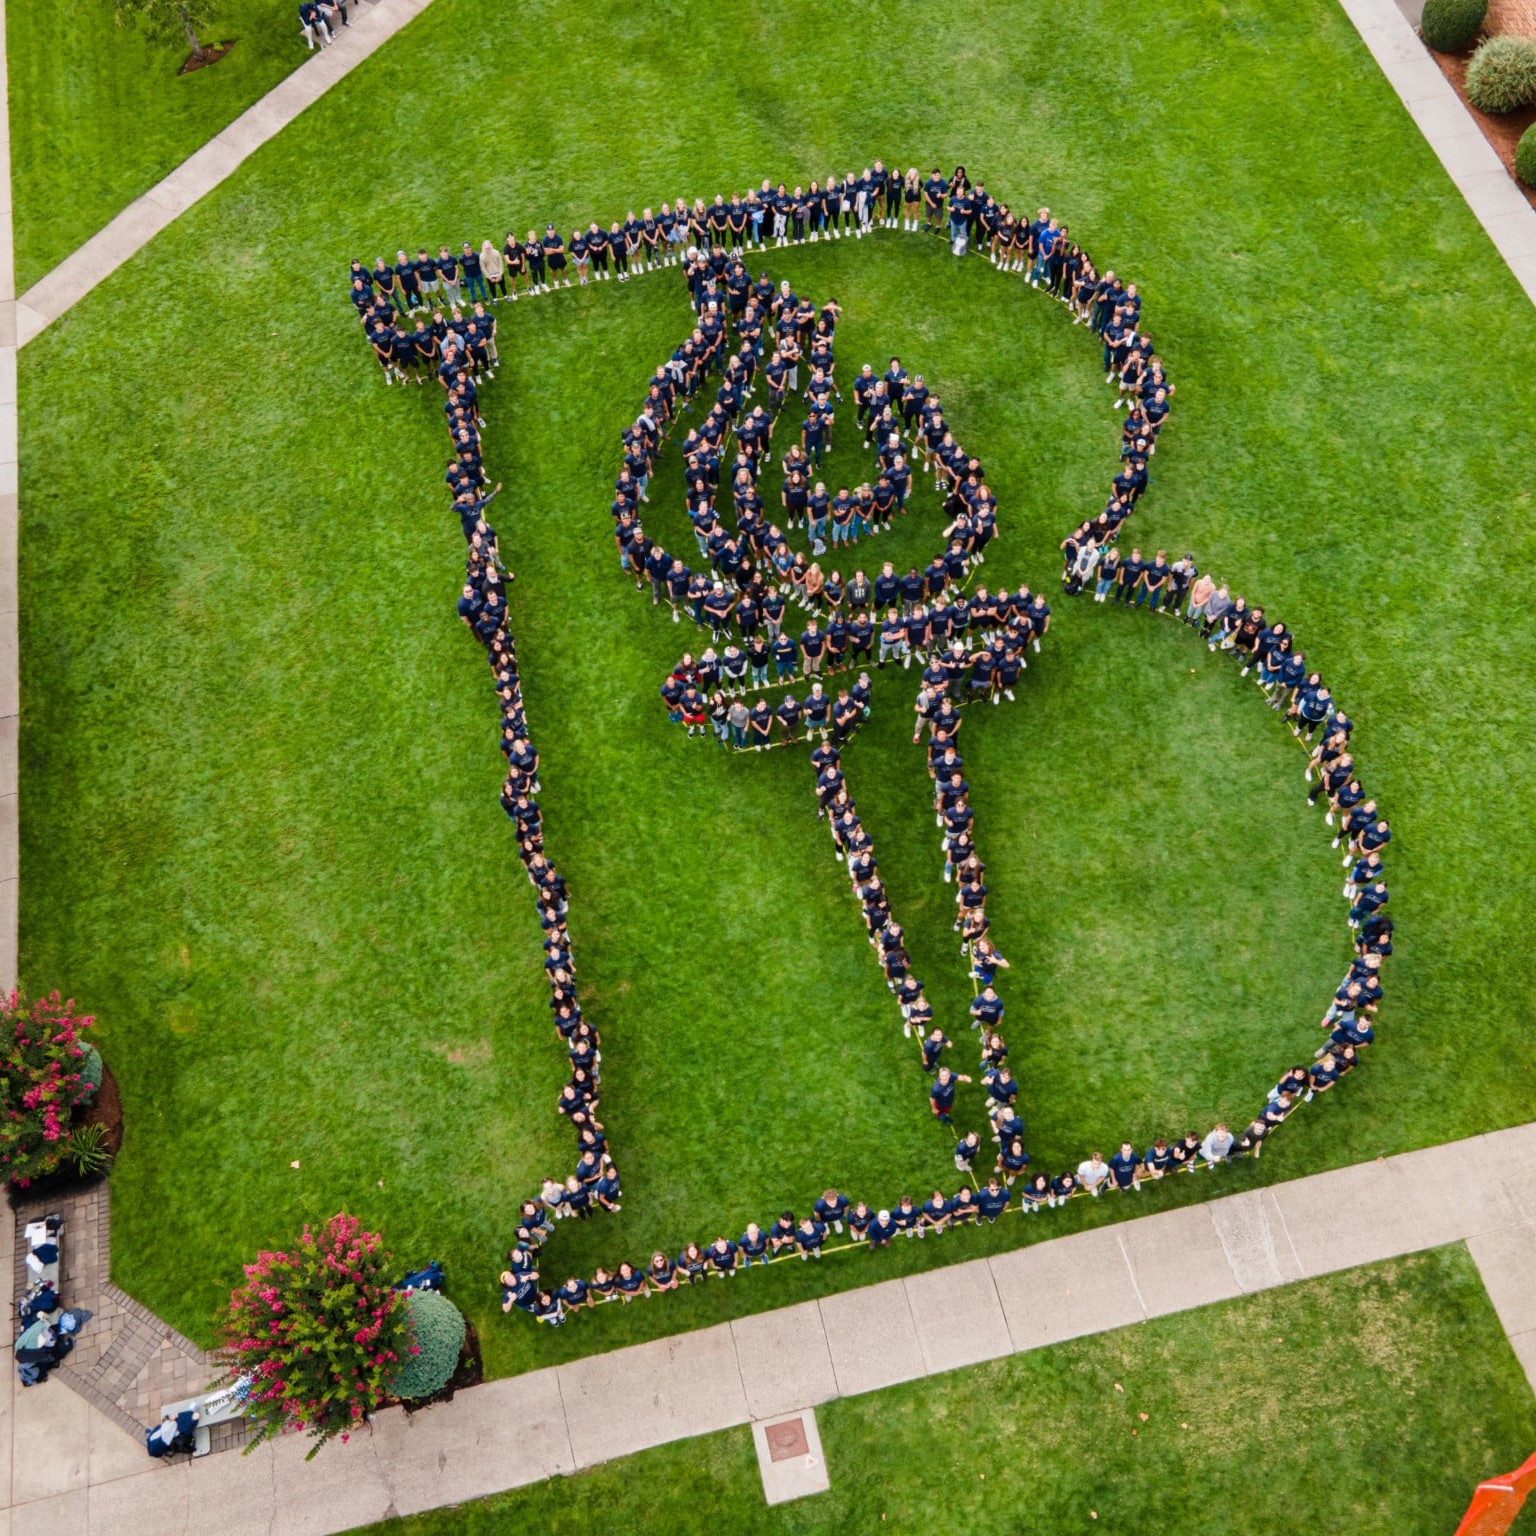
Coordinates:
68 1470
200 173
128 1363
1469 159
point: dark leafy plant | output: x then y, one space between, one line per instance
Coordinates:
1449 25
43 1057
437 1338
86 1150
319 1332
1501 76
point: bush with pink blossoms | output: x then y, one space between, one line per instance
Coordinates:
43 1081
318 1332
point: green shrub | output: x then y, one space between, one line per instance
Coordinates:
1449 25
437 1336
1502 74
91 1068
1525 157
86 1149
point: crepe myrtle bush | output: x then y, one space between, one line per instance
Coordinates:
1449 25
1501 76
318 1333
46 1074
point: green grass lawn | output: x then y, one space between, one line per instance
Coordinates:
99 113
260 836
1370 1401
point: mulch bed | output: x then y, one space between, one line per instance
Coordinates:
467 1373
210 55
1503 131
107 1111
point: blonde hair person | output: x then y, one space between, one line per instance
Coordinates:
912 198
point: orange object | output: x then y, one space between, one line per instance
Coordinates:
1496 1503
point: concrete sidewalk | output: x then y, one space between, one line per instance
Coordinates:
202 171
67 1470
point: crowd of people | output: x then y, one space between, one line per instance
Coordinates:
46 1328
432 317
752 582
461 357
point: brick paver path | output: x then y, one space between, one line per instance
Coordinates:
128 1363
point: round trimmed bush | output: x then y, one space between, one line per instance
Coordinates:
1502 74
437 1336
1448 26
1525 157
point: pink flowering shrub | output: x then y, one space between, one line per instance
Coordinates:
43 1054
319 1332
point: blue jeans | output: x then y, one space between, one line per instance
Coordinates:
759 677
818 529
786 668
477 288
738 736
1103 586
1038 271
956 226
840 532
